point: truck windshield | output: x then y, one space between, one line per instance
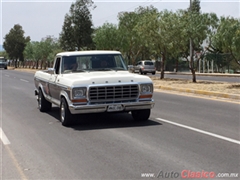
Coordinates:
101 62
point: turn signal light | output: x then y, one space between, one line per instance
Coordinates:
145 96
79 100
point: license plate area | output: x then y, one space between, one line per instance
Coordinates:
115 107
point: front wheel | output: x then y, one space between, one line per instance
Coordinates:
65 114
43 104
141 115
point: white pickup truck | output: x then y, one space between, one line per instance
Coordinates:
83 82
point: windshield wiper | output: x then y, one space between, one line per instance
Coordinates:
105 69
79 70
119 68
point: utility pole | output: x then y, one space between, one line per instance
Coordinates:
191 47
191 55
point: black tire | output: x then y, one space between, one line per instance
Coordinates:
153 73
141 115
5 68
66 117
43 104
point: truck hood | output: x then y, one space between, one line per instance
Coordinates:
102 77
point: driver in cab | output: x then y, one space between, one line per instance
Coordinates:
70 65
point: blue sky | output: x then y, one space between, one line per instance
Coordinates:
40 18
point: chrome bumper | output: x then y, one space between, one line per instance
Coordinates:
99 108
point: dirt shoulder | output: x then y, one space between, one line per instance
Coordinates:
221 87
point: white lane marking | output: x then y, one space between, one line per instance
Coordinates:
6 75
24 80
200 131
3 137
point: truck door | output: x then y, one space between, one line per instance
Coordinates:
53 88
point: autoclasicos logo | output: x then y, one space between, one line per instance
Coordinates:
197 174
187 174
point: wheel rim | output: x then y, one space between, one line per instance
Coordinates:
62 112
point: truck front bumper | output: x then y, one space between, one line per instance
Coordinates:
99 108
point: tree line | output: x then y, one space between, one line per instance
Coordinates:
146 33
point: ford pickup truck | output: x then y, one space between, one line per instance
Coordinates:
82 82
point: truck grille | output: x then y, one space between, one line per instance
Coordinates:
113 93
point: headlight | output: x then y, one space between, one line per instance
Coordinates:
78 93
146 89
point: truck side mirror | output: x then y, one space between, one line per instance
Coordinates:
51 70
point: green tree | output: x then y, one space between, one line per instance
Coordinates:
47 46
4 54
234 66
36 53
15 43
195 6
222 60
28 53
77 28
45 50
227 37
106 37
197 28
159 29
56 48
131 42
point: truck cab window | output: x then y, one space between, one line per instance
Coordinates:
57 65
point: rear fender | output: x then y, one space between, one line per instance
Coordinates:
40 88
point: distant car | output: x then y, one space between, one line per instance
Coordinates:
3 63
144 67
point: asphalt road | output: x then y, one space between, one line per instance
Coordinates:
184 135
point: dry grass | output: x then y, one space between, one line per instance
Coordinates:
230 88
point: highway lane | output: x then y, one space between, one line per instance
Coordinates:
23 76
209 115
114 146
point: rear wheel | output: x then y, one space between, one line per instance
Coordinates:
153 73
65 115
43 104
141 115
